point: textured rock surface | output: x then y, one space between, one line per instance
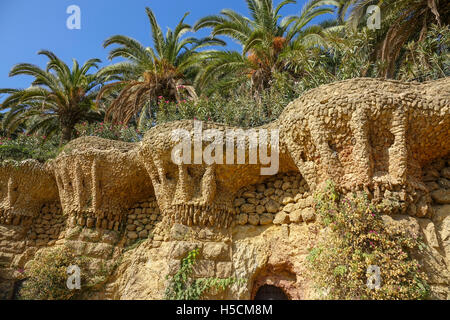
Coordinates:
372 134
115 201
100 178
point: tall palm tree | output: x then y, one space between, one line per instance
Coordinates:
58 98
265 37
151 73
402 21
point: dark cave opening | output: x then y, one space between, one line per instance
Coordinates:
269 292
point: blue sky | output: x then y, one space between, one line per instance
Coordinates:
28 26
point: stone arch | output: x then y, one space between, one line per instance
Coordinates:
276 278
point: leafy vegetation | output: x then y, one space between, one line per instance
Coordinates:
179 76
25 146
403 21
46 276
183 287
109 131
267 40
239 109
428 59
149 73
57 99
358 238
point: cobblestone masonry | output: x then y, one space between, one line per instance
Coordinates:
101 197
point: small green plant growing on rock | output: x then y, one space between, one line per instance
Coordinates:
46 276
183 287
358 241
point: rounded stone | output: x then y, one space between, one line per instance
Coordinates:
249 194
260 209
308 215
248 208
286 186
90 222
272 206
296 216
269 192
253 219
132 235
281 218
265 219
278 184
242 219
143 234
260 188
239 202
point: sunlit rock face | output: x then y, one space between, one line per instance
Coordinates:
137 204
199 189
99 178
24 188
371 134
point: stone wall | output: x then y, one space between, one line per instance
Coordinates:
47 227
129 203
279 200
141 220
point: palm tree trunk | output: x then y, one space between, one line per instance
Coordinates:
67 128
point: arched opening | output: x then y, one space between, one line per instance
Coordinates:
269 292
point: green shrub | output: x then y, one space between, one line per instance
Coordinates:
239 108
25 146
428 59
183 287
46 276
358 238
109 131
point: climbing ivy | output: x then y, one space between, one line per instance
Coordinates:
183 287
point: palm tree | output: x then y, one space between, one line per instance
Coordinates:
402 21
151 73
265 38
58 98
